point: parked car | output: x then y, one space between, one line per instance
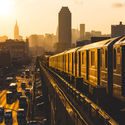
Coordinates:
23 85
9 97
23 102
21 117
1 114
8 117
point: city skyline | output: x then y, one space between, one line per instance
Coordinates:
36 16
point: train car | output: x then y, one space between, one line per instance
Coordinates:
106 65
71 62
45 60
53 62
100 64
119 69
58 62
50 61
90 61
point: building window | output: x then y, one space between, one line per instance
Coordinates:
83 62
106 63
114 58
92 58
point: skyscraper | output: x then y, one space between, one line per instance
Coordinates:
16 32
64 36
82 31
117 30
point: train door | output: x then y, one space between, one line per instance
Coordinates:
123 70
87 64
75 63
72 65
98 66
63 62
79 63
68 62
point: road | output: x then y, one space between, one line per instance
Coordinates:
15 106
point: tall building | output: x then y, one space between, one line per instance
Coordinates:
117 30
96 33
82 31
75 35
64 36
87 36
16 32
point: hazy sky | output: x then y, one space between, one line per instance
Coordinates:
41 16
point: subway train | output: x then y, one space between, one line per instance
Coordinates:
100 64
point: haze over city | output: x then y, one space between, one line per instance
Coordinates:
62 62
40 17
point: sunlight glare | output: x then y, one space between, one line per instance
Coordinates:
6 6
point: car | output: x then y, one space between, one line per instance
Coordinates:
28 76
33 123
9 97
23 102
27 92
22 75
30 83
27 72
21 117
13 87
23 85
39 99
9 79
1 114
8 117
19 94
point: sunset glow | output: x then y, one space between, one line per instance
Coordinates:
34 16
6 7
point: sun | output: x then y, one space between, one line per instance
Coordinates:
6 6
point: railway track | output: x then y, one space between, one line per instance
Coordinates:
114 107
86 109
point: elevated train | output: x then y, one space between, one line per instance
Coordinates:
100 64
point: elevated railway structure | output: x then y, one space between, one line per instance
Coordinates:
69 105
97 71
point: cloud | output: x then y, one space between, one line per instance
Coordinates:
78 2
118 5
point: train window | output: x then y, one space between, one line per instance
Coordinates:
106 58
114 59
118 50
102 51
92 58
101 57
83 62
